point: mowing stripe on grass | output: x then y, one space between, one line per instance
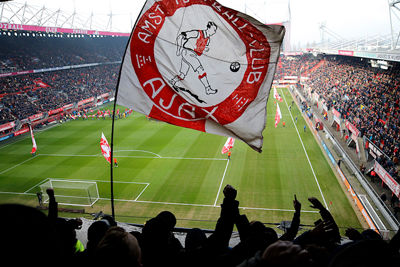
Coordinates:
19 164
305 152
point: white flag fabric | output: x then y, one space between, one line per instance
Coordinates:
228 145
200 65
105 148
34 146
277 96
278 115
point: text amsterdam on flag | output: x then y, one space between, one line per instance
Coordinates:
200 65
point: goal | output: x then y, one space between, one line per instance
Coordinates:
71 192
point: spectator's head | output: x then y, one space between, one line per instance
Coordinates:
66 236
195 238
285 253
96 232
363 253
26 233
168 219
371 235
118 247
258 229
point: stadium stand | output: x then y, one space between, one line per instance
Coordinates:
40 72
367 97
25 230
30 94
33 50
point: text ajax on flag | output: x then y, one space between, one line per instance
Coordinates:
200 65
105 148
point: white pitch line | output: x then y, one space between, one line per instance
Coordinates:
247 208
9 169
220 185
140 157
173 203
99 181
68 155
42 182
193 158
305 151
133 150
203 205
142 192
158 202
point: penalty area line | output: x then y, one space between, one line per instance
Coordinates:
201 205
19 164
220 185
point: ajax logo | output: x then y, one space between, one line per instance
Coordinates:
196 67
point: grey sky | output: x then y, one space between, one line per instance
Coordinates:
347 18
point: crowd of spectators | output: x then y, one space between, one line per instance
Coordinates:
29 51
295 65
26 95
28 235
365 96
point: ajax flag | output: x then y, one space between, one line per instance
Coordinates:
228 145
278 115
105 148
277 96
200 65
34 146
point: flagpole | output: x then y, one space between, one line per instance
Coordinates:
112 125
111 163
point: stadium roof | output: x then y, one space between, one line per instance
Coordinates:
348 18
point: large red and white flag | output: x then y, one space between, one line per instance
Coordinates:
228 145
34 146
105 148
200 65
277 96
278 115
40 83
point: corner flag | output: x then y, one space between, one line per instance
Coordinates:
34 146
277 96
105 148
278 115
228 145
200 65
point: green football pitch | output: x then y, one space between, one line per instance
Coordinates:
164 167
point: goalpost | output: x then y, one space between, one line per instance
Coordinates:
74 193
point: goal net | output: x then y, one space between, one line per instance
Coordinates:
75 193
